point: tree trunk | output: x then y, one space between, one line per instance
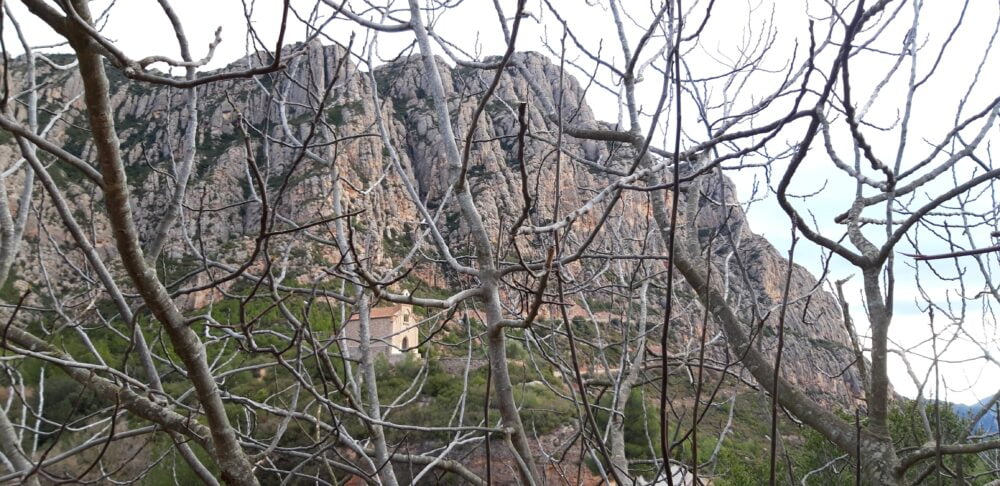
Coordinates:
386 472
229 455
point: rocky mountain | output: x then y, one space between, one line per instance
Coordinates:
221 215
988 424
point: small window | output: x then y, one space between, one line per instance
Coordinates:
406 344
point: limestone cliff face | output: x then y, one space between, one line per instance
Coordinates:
222 215
817 353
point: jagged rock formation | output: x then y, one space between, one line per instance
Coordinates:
150 121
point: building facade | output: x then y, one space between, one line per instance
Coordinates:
393 330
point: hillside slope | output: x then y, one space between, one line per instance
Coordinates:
817 352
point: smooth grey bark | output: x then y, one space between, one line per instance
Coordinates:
878 456
12 450
880 460
182 171
877 452
230 457
630 373
182 174
104 275
382 457
24 342
11 233
12 229
488 274
380 449
880 317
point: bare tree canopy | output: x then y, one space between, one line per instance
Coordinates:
501 242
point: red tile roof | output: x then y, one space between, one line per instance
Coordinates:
380 312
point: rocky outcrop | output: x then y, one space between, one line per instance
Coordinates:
222 216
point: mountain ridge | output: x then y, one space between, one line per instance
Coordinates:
818 353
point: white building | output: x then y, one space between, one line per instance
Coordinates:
393 330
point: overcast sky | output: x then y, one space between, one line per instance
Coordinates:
140 29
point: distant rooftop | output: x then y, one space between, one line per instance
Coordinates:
380 312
